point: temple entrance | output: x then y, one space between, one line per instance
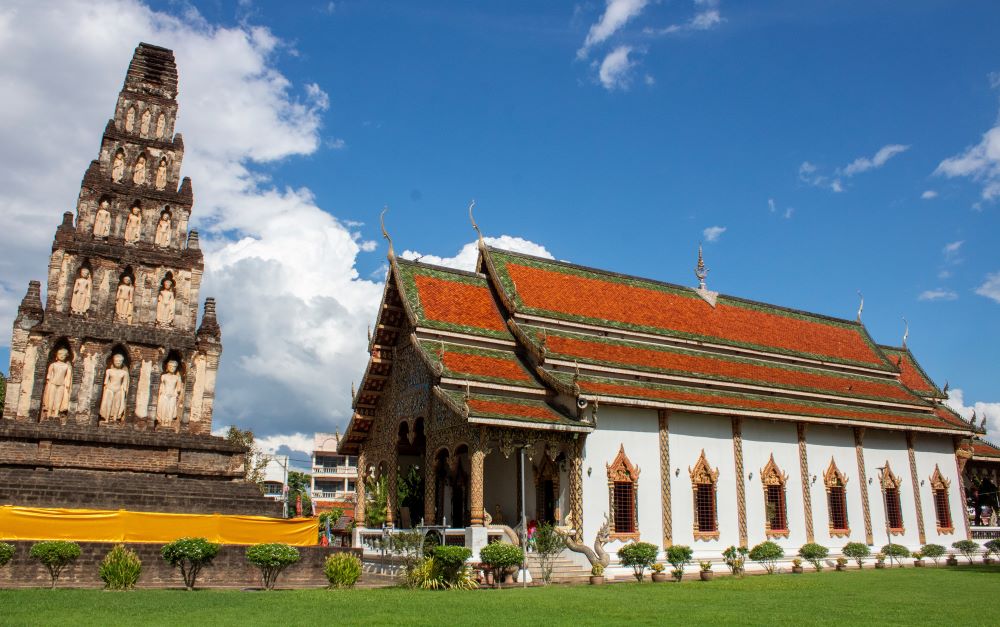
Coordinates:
547 491
549 501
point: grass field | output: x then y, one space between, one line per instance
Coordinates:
942 596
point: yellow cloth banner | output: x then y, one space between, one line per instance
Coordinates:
93 525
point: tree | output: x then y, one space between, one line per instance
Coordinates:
376 496
332 516
410 490
767 555
814 554
858 551
55 555
298 485
968 548
191 555
271 559
548 545
638 555
254 460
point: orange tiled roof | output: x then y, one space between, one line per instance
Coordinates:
911 374
553 289
509 408
982 448
949 415
479 364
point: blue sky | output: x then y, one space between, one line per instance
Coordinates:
813 133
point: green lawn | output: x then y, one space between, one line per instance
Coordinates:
945 596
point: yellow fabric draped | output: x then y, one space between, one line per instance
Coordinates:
92 525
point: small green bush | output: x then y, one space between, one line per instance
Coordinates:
55 555
120 568
549 543
895 552
992 548
6 553
597 570
271 559
499 557
933 551
451 560
735 558
968 548
191 555
638 555
679 556
857 551
814 554
342 570
767 555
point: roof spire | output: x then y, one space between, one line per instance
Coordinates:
473 220
700 271
906 331
385 233
861 307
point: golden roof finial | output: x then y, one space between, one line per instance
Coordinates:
700 271
473 220
385 233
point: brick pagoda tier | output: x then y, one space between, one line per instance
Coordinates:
109 399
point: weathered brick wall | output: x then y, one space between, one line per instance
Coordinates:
229 570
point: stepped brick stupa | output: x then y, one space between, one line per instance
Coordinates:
111 387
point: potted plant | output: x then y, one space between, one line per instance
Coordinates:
797 566
918 559
857 551
706 573
952 560
735 558
933 551
880 560
638 555
501 560
597 574
679 556
841 563
658 575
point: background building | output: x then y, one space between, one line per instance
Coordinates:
333 475
275 476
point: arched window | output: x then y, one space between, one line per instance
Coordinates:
704 481
942 511
775 511
836 500
893 509
623 484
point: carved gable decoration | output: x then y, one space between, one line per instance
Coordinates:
622 469
833 478
889 478
702 472
938 481
772 475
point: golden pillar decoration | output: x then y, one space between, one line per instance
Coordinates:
667 515
430 484
359 490
741 489
859 451
910 437
807 506
576 487
476 488
963 452
392 486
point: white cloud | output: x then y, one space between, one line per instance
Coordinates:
614 72
712 233
616 14
466 257
707 16
956 401
863 164
952 248
836 186
771 205
990 287
928 194
292 307
788 213
937 294
981 163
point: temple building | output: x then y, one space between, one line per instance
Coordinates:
641 410
112 384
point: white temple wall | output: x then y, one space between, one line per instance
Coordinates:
761 439
638 430
882 446
933 449
825 443
689 435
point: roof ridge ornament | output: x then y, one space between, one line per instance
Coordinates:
701 273
474 225
861 307
906 331
385 233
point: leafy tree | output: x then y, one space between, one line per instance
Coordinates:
254 460
968 548
933 551
191 555
548 545
767 555
298 485
6 553
333 516
992 548
638 555
410 490
376 493
858 551
895 552
679 556
814 554
736 558
271 559
55 555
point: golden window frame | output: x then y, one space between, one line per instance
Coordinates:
702 474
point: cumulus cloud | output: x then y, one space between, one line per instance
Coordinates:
712 233
616 14
863 164
292 306
956 400
990 287
929 194
981 163
614 72
937 294
466 257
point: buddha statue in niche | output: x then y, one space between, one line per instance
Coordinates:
102 221
82 289
115 389
163 228
123 299
58 383
161 123
133 226
139 174
161 174
130 119
144 123
170 394
165 304
118 168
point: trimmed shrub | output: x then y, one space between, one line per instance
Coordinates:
271 559
680 556
992 548
933 551
895 552
767 555
814 554
120 568
857 551
736 559
342 570
6 553
638 555
499 557
191 555
968 548
597 570
445 568
55 555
